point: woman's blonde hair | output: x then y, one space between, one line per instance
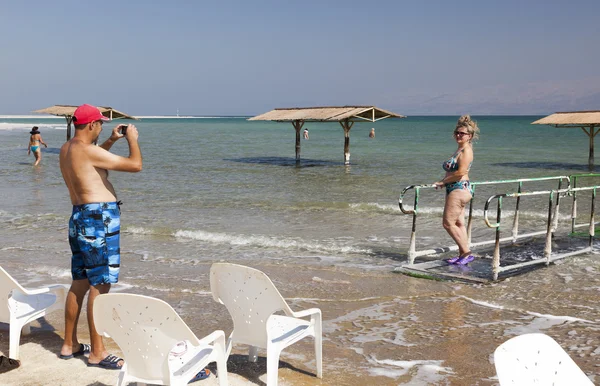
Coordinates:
471 125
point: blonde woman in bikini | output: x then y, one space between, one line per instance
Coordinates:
458 188
35 141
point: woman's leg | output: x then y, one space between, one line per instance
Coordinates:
454 215
38 156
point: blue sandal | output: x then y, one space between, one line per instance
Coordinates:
203 374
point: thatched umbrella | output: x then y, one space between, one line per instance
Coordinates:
586 120
67 111
345 115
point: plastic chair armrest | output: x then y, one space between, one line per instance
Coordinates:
217 336
43 290
310 312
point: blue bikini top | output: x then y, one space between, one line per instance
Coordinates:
452 164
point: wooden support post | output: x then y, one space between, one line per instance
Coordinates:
591 134
69 121
346 125
298 126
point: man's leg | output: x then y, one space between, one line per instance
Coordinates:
72 311
98 352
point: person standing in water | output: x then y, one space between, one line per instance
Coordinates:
458 188
305 133
372 133
94 226
35 142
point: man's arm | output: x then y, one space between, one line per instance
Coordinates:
102 158
114 137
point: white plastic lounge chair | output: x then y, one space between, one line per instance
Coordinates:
536 359
252 299
20 306
151 334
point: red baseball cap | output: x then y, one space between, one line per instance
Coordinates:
86 114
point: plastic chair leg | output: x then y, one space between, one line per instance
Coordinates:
319 355
272 367
252 354
14 339
222 371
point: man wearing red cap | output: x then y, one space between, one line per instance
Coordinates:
94 226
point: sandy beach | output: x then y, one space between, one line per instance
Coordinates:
429 332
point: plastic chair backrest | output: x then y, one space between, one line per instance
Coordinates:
536 359
250 297
7 285
145 328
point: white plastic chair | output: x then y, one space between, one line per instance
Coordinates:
536 359
151 334
20 306
252 299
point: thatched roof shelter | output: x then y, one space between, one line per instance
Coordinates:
345 115
586 120
67 111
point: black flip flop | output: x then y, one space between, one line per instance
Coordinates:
84 348
111 362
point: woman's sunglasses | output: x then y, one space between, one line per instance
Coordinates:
460 133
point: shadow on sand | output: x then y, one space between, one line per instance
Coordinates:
284 161
238 364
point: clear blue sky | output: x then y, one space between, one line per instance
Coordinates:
247 57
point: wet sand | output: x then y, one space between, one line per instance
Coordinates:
380 328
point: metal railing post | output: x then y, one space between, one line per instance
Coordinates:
574 207
548 246
515 229
592 222
555 222
496 258
413 234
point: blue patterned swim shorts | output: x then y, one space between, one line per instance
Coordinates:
94 237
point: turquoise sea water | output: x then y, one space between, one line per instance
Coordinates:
222 186
226 189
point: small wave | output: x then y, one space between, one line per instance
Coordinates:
563 318
380 208
263 241
51 271
27 126
428 371
139 230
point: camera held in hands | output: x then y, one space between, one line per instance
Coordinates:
123 129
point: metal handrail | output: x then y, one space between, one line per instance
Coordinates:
550 225
575 178
412 253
